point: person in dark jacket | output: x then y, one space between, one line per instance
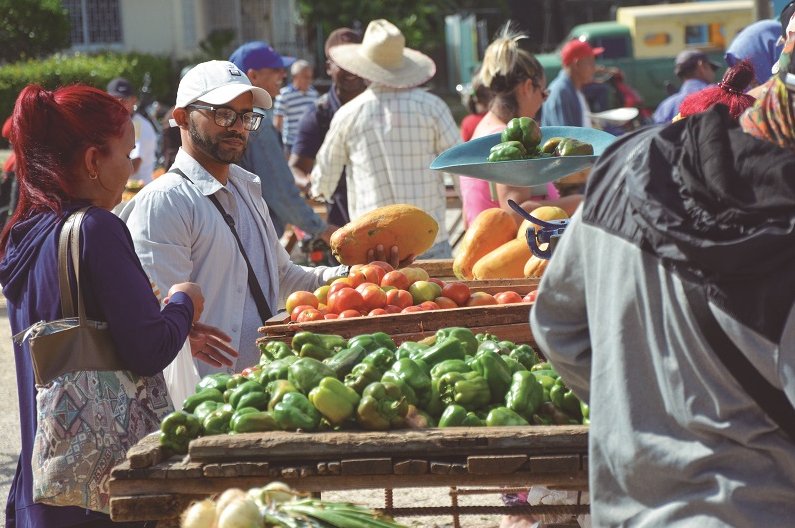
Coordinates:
686 238
72 147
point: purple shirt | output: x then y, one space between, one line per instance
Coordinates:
115 290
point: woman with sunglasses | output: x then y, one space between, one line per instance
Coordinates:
518 85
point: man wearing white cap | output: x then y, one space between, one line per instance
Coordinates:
388 135
205 220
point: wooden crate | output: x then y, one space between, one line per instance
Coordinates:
506 321
148 487
437 268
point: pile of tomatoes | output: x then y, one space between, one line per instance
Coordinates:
378 289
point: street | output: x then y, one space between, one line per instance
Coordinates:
9 410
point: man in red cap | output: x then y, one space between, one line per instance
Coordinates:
566 104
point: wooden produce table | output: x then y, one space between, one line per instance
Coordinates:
147 487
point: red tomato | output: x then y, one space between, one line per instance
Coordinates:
337 286
429 305
331 316
481 299
457 291
392 309
530 297
445 303
372 295
345 299
357 278
300 297
397 279
508 297
373 273
346 314
377 311
409 309
400 298
386 266
440 282
310 314
298 309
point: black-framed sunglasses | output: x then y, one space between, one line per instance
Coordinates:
544 92
226 117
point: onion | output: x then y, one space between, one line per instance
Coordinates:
240 513
275 492
199 515
227 497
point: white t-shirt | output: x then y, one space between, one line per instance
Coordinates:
586 115
145 148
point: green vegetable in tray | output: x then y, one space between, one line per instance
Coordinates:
382 407
177 430
524 130
510 150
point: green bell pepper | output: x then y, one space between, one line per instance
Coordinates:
277 369
461 333
347 358
253 422
177 430
525 355
435 406
409 349
507 150
564 399
491 367
362 375
217 422
551 145
235 380
574 147
273 350
372 342
525 395
585 410
447 348
448 365
522 129
469 389
193 401
494 346
415 376
277 389
205 408
336 402
549 414
314 351
390 376
246 388
485 336
458 416
513 365
382 407
543 365
306 373
381 358
295 411
214 381
382 339
327 341
504 416
257 399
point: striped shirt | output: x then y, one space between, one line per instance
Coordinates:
290 104
388 137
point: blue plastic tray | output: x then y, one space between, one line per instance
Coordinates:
469 159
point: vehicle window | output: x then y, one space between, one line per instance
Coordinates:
615 47
705 35
657 39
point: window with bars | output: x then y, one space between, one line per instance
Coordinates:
94 22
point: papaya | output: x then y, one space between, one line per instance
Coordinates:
505 262
545 213
489 230
535 267
408 227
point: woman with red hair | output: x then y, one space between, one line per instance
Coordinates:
72 149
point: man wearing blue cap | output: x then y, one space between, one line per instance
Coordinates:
264 156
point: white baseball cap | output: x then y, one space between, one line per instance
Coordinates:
218 82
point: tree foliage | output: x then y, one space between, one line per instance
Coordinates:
32 28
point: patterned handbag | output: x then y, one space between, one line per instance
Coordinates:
90 410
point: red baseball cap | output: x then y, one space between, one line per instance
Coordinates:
578 49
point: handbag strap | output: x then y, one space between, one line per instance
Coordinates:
69 250
770 399
253 284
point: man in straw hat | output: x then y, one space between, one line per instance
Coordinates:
388 135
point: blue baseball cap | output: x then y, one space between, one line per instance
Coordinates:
257 54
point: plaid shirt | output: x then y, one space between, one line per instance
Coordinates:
388 137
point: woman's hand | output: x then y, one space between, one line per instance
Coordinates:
209 344
393 259
192 290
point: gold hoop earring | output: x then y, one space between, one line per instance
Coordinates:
92 175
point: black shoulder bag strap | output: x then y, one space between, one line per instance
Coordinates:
253 284
770 399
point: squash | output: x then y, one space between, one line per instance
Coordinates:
408 227
535 267
489 230
545 213
505 262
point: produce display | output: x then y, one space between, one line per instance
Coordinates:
378 289
409 228
492 247
326 382
276 505
521 140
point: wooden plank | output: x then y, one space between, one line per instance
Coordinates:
150 507
411 466
184 469
233 469
403 323
554 464
147 452
435 267
366 466
282 445
495 464
440 468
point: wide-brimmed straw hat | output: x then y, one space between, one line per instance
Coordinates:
383 58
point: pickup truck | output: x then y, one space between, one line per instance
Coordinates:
643 41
